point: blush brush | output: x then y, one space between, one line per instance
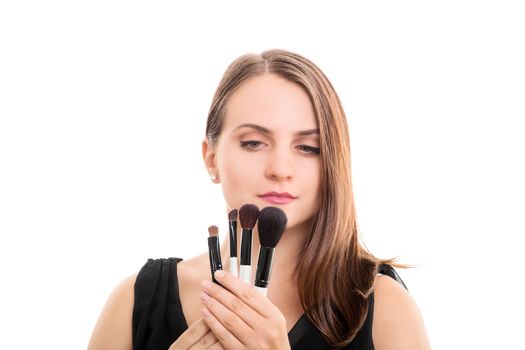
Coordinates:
232 221
271 224
248 214
214 251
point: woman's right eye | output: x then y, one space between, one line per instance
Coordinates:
252 145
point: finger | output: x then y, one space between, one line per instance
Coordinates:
216 346
192 335
206 342
229 320
250 316
227 339
246 293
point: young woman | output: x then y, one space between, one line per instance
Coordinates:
276 135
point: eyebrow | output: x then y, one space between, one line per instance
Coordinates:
269 132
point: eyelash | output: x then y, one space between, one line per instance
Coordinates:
304 148
310 149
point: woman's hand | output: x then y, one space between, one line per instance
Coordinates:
197 337
241 317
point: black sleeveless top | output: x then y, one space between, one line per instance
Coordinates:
158 319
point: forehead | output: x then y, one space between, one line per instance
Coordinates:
273 102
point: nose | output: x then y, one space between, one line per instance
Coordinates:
280 165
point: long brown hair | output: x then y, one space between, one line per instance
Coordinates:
335 273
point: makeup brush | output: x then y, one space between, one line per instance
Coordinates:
232 220
248 216
271 224
214 251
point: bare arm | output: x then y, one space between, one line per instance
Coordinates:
397 321
113 328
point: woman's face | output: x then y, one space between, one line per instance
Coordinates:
268 151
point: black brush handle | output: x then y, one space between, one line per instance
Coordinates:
233 239
214 252
264 267
246 247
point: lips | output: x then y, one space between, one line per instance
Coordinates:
277 198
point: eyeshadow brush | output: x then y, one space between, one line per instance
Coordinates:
232 225
214 251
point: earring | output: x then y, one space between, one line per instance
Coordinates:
212 175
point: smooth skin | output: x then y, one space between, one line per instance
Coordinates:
268 143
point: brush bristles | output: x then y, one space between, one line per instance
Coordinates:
232 215
271 225
248 215
213 230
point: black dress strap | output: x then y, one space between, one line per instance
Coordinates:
157 320
389 271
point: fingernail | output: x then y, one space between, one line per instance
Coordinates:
205 312
204 296
206 284
219 274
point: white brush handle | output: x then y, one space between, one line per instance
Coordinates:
233 266
245 273
262 290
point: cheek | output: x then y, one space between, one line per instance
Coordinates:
312 175
311 187
240 176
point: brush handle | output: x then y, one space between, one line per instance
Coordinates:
264 267
245 273
233 267
246 247
262 290
214 252
233 238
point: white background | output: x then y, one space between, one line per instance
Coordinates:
102 112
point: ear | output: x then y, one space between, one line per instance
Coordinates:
209 157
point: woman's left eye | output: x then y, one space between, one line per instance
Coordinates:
309 149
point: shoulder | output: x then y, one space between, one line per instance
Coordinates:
397 322
191 270
113 328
